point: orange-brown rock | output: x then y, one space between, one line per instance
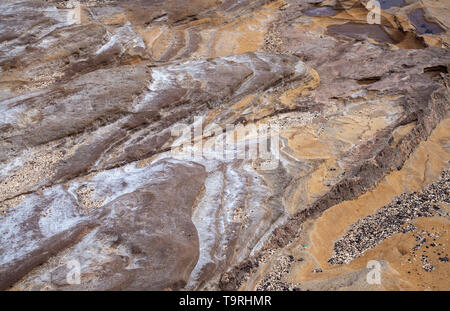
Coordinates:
113 114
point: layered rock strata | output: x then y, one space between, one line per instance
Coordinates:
115 115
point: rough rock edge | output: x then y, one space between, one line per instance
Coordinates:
362 179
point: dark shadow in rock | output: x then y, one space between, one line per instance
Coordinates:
386 4
361 32
435 72
369 80
321 11
417 18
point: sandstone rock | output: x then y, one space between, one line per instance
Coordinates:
136 235
94 169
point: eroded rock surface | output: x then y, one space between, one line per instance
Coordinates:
92 98
139 236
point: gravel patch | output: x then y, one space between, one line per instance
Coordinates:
273 281
370 231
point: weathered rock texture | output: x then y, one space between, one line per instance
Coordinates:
93 94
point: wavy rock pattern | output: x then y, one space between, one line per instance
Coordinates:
91 96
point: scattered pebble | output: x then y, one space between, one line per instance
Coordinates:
368 232
273 281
